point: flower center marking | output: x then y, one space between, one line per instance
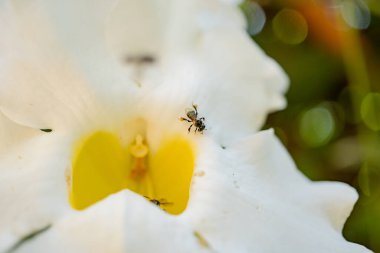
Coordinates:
102 166
139 151
140 59
139 63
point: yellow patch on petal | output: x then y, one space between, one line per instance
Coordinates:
172 170
99 169
102 166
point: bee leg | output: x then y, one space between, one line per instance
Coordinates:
189 129
183 119
196 129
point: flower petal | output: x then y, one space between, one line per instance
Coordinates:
12 134
204 56
124 222
32 186
164 28
233 82
55 63
261 203
240 84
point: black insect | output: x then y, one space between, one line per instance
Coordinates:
192 117
46 130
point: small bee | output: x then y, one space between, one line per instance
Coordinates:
159 203
192 117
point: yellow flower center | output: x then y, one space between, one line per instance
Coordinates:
102 165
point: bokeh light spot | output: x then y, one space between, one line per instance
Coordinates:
290 26
370 111
255 17
317 126
356 14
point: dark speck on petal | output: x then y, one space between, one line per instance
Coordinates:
47 130
140 59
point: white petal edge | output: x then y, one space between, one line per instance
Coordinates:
252 198
239 205
12 134
124 222
32 186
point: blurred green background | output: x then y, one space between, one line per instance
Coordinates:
331 52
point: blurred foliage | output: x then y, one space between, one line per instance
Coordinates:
331 52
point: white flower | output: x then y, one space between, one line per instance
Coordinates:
110 79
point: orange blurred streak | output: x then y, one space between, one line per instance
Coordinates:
322 27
